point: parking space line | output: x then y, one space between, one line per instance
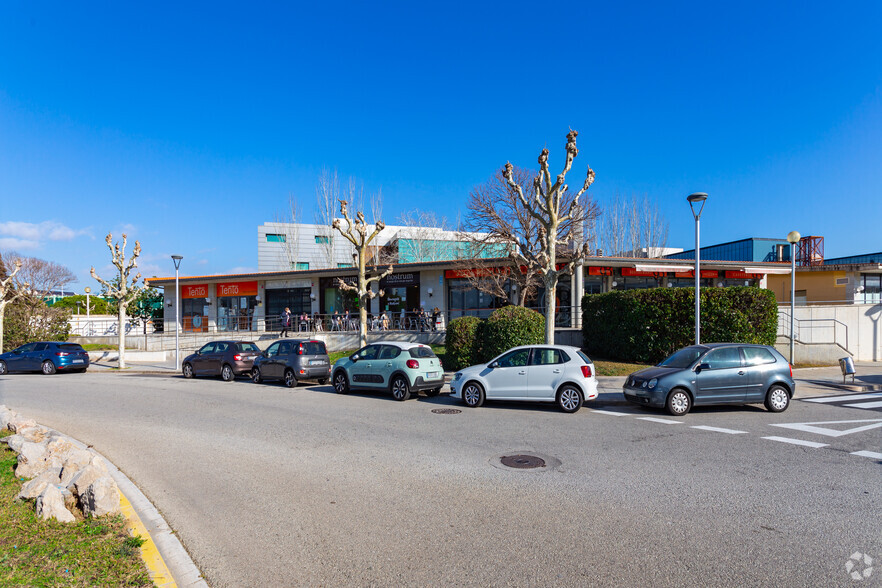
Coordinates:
811 444
719 430
655 420
843 398
864 405
610 412
870 454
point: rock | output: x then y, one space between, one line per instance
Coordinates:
84 478
6 415
100 498
18 422
50 505
14 442
58 445
35 487
31 460
74 461
35 434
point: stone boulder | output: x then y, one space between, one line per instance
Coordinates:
31 460
74 461
36 434
33 488
85 477
18 422
14 442
6 415
50 505
100 498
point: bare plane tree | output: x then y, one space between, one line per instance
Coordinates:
327 193
122 290
632 227
8 292
288 224
424 232
357 234
556 211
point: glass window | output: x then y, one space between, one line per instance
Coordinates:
273 349
584 357
683 358
314 348
320 240
248 347
41 347
207 348
724 357
546 357
369 352
71 347
345 265
26 348
419 352
272 238
757 355
517 358
300 265
278 299
387 352
221 347
285 348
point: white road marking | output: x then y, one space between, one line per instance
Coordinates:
610 412
870 454
842 398
719 430
797 442
655 420
811 428
864 404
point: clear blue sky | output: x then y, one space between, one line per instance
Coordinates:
190 124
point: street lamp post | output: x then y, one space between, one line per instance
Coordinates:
694 199
177 259
88 291
793 239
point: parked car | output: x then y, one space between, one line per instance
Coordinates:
533 373
226 359
399 367
292 361
714 373
48 357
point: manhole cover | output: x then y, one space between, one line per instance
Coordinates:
446 411
523 462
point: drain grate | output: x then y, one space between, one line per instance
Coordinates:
522 462
446 411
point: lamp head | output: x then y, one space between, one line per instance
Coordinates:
177 259
693 199
87 289
793 237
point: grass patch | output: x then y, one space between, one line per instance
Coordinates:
607 367
102 347
33 552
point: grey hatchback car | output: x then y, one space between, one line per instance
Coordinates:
291 361
714 373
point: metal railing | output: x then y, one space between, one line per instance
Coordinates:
819 330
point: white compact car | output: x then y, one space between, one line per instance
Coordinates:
534 373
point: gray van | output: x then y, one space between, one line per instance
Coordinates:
292 361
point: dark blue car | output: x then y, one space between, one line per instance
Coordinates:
48 357
715 373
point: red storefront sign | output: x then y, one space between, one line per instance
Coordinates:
743 275
599 271
194 291
475 273
237 289
704 274
629 271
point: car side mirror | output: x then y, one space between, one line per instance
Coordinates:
494 365
353 357
702 366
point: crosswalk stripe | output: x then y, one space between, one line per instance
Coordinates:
610 412
655 420
719 430
864 404
811 444
843 398
870 454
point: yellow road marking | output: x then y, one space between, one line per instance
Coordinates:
156 567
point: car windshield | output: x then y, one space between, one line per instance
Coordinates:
683 358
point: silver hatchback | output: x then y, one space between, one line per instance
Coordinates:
292 361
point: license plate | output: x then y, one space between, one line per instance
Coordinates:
78 361
316 362
432 375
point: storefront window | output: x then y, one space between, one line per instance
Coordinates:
401 294
463 299
236 302
278 299
872 285
194 308
335 298
563 302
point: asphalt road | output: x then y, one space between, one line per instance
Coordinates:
273 486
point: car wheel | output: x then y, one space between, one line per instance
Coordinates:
290 380
433 392
341 384
569 399
48 367
322 381
679 402
473 395
777 399
400 389
227 374
255 376
3 369
187 370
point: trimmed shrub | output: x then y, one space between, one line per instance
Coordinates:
648 325
459 343
509 327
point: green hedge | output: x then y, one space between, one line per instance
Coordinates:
471 340
459 343
647 325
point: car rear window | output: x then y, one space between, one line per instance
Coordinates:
418 352
71 347
584 357
314 348
248 347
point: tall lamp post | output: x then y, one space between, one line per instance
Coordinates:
177 259
694 199
88 292
793 239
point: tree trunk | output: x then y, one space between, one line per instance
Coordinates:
362 299
2 316
550 279
122 336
